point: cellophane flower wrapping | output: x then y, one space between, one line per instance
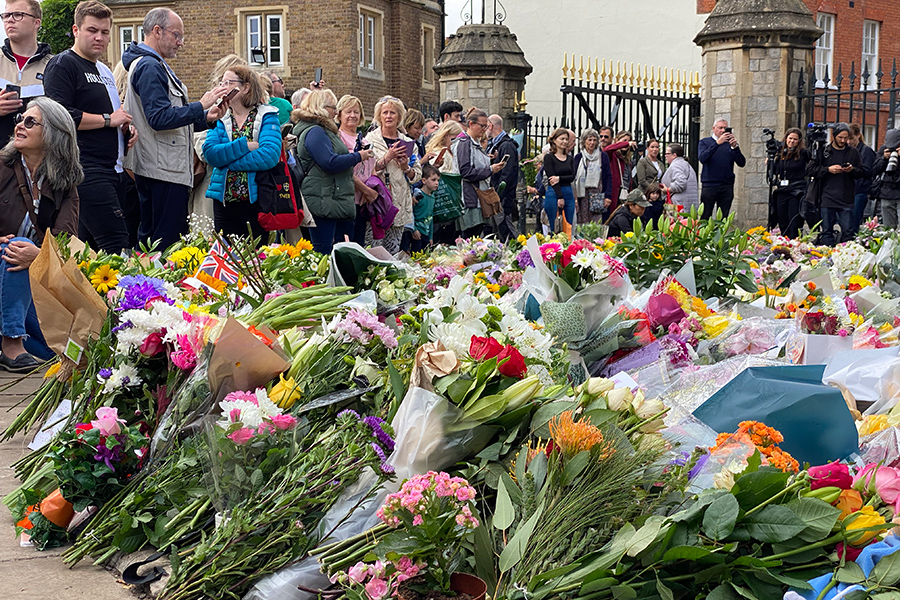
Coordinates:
423 444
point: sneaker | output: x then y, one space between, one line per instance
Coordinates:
23 363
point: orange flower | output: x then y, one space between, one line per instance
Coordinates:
811 299
782 460
849 502
216 284
792 307
811 286
574 436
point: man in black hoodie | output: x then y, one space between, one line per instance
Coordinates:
887 166
837 171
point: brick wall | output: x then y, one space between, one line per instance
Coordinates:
319 33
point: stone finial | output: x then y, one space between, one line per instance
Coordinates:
767 23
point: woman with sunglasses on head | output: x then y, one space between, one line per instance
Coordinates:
559 168
350 116
247 139
39 174
474 165
393 150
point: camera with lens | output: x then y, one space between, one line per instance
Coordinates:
772 145
641 147
816 134
893 161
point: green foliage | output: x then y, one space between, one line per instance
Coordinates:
716 247
56 24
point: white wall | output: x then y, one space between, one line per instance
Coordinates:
652 32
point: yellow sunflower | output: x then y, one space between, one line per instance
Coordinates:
104 278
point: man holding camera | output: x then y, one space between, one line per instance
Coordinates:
887 162
718 154
837 172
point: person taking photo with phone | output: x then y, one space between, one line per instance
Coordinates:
504 151
350 116
718 154
77 79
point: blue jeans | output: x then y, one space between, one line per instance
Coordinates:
17 315
859 209
832 216
327 232
551 205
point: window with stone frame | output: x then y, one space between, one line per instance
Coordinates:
371 42
263 28
825 47
125 34
871 32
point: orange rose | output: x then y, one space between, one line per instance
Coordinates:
849 502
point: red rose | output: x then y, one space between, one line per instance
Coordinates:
511 363
82 427
152 345
847 551
483 348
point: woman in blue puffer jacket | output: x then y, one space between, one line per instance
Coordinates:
246 139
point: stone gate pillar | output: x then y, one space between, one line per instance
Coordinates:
753 51
483 66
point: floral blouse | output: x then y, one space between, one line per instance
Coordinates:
237 183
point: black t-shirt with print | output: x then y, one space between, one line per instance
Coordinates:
80 86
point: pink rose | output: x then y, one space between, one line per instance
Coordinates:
241 436
377 589
152 345
830 475
885 481
107 421
283 422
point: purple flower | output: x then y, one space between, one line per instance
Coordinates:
109 456
387 469
381 435
124 325
523 258
348 413
129 280
700 462
105 373
379 452
137 295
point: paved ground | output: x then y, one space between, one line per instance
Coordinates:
24 572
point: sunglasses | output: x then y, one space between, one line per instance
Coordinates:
604 137
28 122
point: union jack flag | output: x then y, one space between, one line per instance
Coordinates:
216 264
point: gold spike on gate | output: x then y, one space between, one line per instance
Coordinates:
581 68
685 82
695 83
565 63
572 66
596 72
618 75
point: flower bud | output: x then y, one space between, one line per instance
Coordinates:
521 392
619 399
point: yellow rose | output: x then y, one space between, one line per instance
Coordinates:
864 517
285 392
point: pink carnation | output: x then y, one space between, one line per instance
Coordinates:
241 436
240 395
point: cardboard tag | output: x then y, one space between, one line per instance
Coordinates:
74 351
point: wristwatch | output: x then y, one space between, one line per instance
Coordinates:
106 119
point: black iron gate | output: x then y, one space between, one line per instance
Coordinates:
868 100
651 102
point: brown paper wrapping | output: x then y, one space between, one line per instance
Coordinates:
67 305
241 361
432 360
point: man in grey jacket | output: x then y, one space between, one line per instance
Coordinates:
163 158
679 179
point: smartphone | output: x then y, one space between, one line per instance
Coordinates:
15 89
126 135
505 158
408 147
440 156
228 96
728 130
318 75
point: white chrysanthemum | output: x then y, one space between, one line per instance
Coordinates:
266 406
251 415
123 376
455 338
583 259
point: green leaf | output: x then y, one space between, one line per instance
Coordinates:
505 513
891 595
513 552
851 573
256 478
538 469
664 592
396 543
691 553
819 516
484 556
887 571
575 466
596 585
623 592
645 536
744 592
706 498
723 592
397 386
774 523
720 517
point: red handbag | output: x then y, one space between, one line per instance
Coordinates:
276 198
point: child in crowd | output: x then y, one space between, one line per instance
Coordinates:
423 211
653 194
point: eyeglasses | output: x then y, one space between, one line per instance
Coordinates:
27 122
16 16
482 125
179 37
230 81
278 80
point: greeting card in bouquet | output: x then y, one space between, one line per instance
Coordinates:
815 349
